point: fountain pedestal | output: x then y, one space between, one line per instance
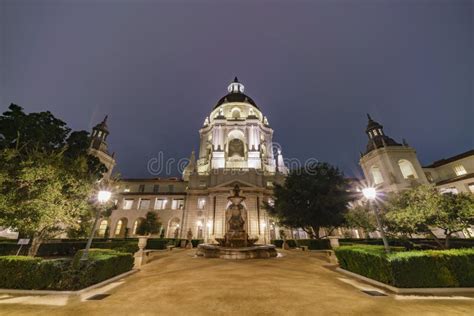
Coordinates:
236 243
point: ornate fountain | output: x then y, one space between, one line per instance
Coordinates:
236 243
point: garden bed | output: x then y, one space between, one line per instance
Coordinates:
410 269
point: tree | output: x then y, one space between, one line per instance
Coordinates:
312 197
47 178
422 209
361 217
150 225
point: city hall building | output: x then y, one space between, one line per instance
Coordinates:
236 147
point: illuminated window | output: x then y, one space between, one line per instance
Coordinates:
376 175
102 228
452 190
201 203
118 228
177 204
471 187
375 132
407 169
135 225
127 204
160 204
144 204
127 189
459 170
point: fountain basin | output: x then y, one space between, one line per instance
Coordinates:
253 252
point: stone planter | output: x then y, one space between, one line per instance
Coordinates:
140 257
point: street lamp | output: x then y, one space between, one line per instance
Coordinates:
371 194
103 197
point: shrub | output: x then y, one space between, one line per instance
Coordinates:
315 244
159 243
312 244
101 265
431 268
21 272
69 248
279 243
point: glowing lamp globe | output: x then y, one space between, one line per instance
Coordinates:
103 196
369 193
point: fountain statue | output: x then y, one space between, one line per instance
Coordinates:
236 243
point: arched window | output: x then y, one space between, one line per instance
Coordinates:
235 113
118 228
173 228
102 228
376 175
135 225
407 169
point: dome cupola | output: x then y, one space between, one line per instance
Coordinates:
377 137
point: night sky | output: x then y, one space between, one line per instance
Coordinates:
315 68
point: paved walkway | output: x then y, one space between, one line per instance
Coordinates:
176 283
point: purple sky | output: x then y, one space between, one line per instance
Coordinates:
313 67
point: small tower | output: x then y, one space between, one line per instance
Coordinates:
388 164
98 146
99 135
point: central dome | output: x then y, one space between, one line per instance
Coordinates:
236 94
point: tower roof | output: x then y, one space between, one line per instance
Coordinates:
377 137
103 125
236 94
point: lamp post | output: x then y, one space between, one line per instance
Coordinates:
103 196
370 194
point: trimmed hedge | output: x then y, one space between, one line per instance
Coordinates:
315 244
411 243
19 272
101 265
68 248
312 244
418 269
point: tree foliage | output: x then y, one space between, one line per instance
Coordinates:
150 225
361 217
422 209
46 176
312 197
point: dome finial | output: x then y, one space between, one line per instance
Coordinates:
236 79
368 116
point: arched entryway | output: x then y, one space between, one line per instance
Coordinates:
173 228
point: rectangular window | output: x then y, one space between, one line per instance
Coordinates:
177 204
170 188
127 204
452 190
144 204
156 188
471 187
160 204
141 188
459 170
126 189
201 203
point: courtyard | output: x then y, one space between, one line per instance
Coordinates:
177 283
